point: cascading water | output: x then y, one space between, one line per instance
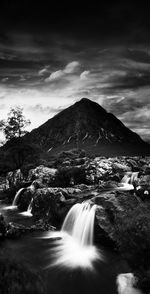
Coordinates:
134 177
16 197
74 243
128 180
79 223
29 209
14 203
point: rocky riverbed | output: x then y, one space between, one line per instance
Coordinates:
122 216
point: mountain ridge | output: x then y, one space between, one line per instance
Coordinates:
85 124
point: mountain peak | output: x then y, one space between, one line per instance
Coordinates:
87 125
88 102
88 105
84 100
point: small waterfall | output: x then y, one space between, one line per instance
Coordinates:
130 177
29 209
14 203
126 178
127 181
134 177
30 206
17 196
79 223
74 243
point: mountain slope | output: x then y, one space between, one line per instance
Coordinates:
87 125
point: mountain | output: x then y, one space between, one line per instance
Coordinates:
88 126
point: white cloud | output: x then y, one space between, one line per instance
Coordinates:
42 71
84 75
56 75
71 67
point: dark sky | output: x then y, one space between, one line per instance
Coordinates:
54 54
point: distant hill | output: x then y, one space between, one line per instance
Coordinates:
88 126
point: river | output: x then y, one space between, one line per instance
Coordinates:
37 253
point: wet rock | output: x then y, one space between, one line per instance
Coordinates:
14 179
109 205
15 230
54 203
143 192
45 174
42 225
134 164
49 203
144 180
121 168
108 185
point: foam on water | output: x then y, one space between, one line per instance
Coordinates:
73 245
29 209
128 181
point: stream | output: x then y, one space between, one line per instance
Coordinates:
37 253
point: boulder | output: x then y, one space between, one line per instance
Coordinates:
14 179
53 203
144 180
121 168
44 174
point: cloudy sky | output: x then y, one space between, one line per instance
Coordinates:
53 55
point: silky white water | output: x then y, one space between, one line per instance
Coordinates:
127 181
16 197
29 209
14 203
73 245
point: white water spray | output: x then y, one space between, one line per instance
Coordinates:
74 243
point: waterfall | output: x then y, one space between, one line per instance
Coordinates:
14 203
127 181
130 177
29 209
74 243
79 223
17 196
134 177
126 178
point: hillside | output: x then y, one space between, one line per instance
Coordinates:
88 126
